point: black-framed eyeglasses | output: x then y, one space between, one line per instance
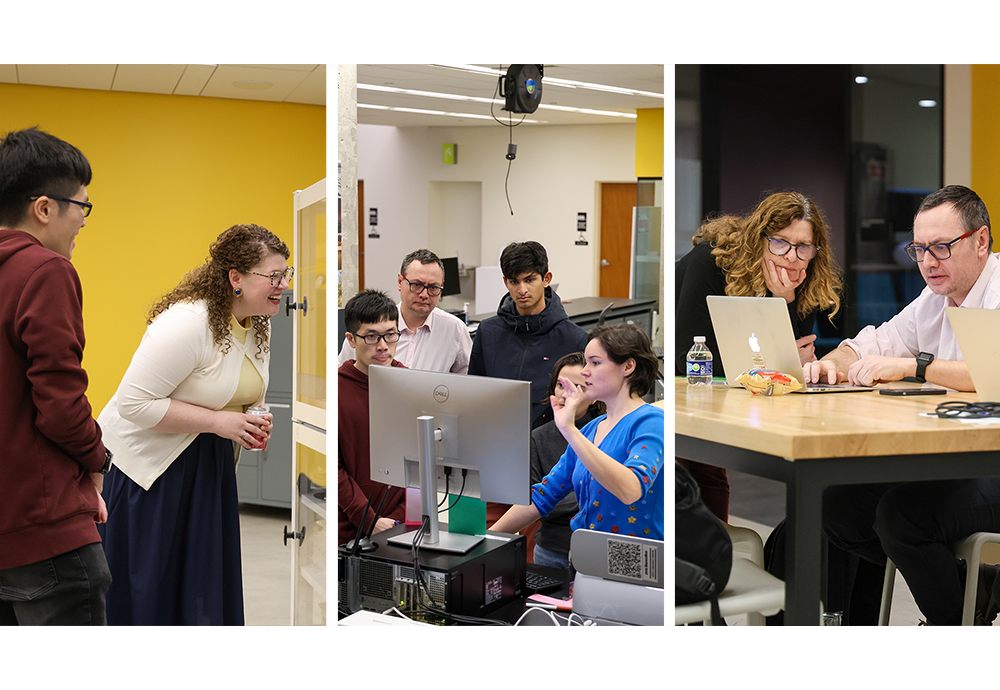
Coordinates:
373 338
940 251
85 205
417 288
780 247
275 278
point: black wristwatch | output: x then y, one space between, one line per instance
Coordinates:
923 359
107 461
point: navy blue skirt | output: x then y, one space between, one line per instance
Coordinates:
174 551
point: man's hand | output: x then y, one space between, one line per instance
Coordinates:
97 479
821 371
873 369
782 281
383 524
807 349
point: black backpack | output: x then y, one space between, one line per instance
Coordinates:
703 550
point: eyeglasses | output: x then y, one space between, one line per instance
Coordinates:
275 278
417 288
780 247
373 338
940 251
85 205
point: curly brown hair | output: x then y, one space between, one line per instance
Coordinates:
241 247
737 245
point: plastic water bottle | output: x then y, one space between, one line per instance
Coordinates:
699 363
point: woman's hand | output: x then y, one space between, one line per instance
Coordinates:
247 430
807 348
781 281
565 414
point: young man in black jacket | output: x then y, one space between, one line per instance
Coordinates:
531 329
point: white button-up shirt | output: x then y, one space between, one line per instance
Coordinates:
923 326
442 343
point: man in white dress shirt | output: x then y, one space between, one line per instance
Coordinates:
916 523
430 339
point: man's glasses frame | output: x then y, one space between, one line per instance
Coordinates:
917 252
775 244
275 278
373 338
85 205
417 288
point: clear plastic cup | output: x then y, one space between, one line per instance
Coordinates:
256 412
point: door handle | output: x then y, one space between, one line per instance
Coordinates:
289 305
605 262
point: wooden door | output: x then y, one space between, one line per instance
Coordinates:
617 202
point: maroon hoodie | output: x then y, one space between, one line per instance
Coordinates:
354 483
51 440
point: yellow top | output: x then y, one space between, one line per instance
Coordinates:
251 384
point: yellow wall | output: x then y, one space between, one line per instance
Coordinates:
170 174
985 139
649 142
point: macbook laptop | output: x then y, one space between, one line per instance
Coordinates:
976 330
751 330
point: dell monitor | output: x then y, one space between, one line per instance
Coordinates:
477 426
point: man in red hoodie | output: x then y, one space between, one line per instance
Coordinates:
52 566
370 319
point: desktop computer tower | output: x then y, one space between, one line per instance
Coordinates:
476 583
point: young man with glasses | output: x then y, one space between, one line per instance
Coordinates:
430 339
52 567
371 319
915 524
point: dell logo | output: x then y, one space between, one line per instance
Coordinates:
441 393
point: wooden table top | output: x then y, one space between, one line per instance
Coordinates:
797 426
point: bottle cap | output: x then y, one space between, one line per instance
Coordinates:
699 338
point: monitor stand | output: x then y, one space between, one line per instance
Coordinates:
434 539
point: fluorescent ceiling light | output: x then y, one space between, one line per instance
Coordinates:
421 111
553 81
476 99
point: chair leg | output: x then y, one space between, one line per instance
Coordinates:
887 587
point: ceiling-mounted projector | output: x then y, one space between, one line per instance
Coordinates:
522 88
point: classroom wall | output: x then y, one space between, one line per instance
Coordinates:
170 174
554 176
985 141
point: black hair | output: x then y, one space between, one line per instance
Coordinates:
518 258
35 163
625 341
424 256
369 306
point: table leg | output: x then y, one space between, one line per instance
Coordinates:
804 550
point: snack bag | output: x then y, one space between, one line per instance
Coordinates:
768 382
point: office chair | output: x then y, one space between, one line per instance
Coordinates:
967 549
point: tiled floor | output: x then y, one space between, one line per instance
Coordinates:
267 565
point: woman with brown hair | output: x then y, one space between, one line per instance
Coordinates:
779 250
614 464
176 426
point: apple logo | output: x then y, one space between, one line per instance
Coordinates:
754 343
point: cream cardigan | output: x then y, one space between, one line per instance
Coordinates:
177 359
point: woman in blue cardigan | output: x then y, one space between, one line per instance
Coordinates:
614 464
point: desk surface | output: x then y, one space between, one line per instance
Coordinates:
799 426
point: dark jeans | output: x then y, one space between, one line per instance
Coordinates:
915 524
65 590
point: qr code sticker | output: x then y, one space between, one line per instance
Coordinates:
631 560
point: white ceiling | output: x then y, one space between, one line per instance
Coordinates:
440 79
279 83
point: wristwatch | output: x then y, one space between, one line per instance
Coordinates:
923 359
107 461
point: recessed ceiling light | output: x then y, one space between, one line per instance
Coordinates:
861 79
253 84
927 103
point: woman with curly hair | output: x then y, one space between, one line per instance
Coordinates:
779 250
176 426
